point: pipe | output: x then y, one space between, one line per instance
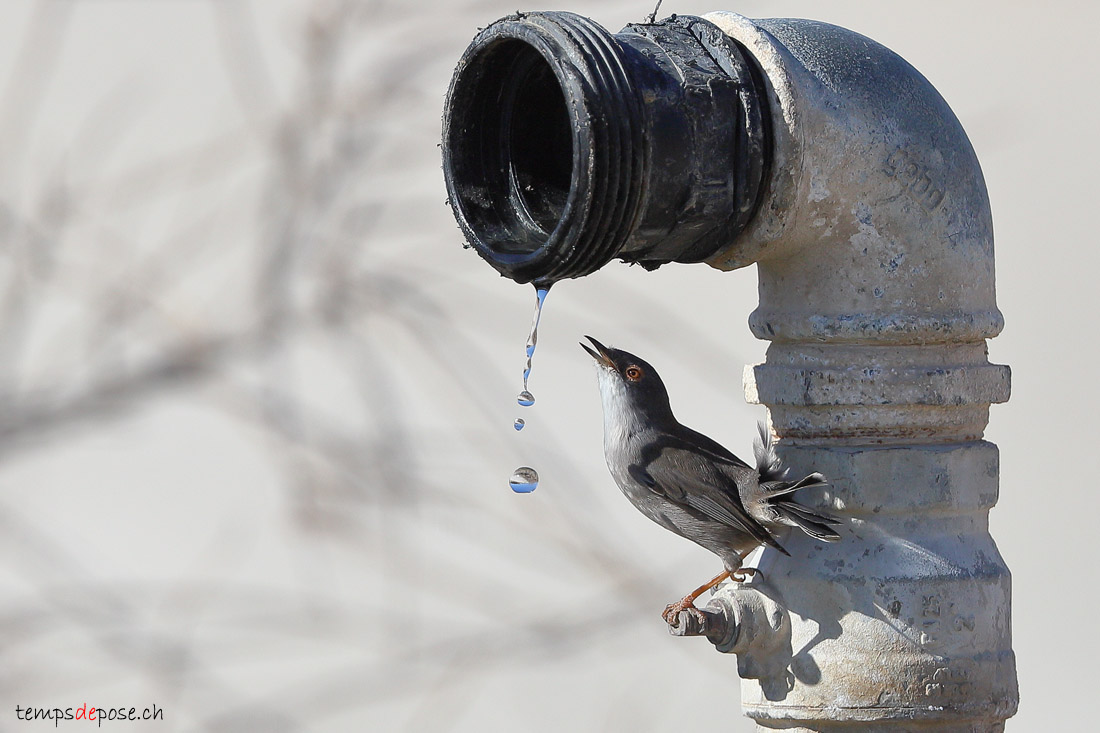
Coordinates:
874 247
565 146
873 240
746 621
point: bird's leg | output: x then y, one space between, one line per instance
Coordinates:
672 611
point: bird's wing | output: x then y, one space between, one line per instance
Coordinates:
711 449
686 476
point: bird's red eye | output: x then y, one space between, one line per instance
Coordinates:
633 373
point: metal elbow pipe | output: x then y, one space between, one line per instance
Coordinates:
855 190
874 239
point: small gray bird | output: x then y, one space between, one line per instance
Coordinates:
689 484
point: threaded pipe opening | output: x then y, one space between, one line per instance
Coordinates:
539 145
565 146
534 158
511 145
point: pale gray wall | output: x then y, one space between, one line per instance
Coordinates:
255 400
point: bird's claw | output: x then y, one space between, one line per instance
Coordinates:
672 612
742 574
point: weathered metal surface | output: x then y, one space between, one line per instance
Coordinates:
874 243
875 251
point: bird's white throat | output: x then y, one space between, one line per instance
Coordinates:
619 421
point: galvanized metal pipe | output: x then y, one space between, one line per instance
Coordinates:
873 239
874 246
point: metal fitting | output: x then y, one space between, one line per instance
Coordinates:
565 146
744 620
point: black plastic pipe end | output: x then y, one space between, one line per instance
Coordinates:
565 146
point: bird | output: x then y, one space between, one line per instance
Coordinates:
690 484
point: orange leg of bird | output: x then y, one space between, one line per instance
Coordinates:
672 611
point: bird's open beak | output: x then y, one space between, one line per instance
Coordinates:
600 354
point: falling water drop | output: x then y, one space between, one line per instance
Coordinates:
533 338
524 480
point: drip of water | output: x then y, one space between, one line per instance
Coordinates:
524 480
533 338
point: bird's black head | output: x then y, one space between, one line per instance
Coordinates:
629 385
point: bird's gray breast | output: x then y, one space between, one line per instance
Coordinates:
623 450
625 459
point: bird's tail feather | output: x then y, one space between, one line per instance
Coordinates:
811 521
778 490
767 460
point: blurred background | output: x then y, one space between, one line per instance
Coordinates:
256 401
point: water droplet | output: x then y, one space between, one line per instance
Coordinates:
533 337
524 480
